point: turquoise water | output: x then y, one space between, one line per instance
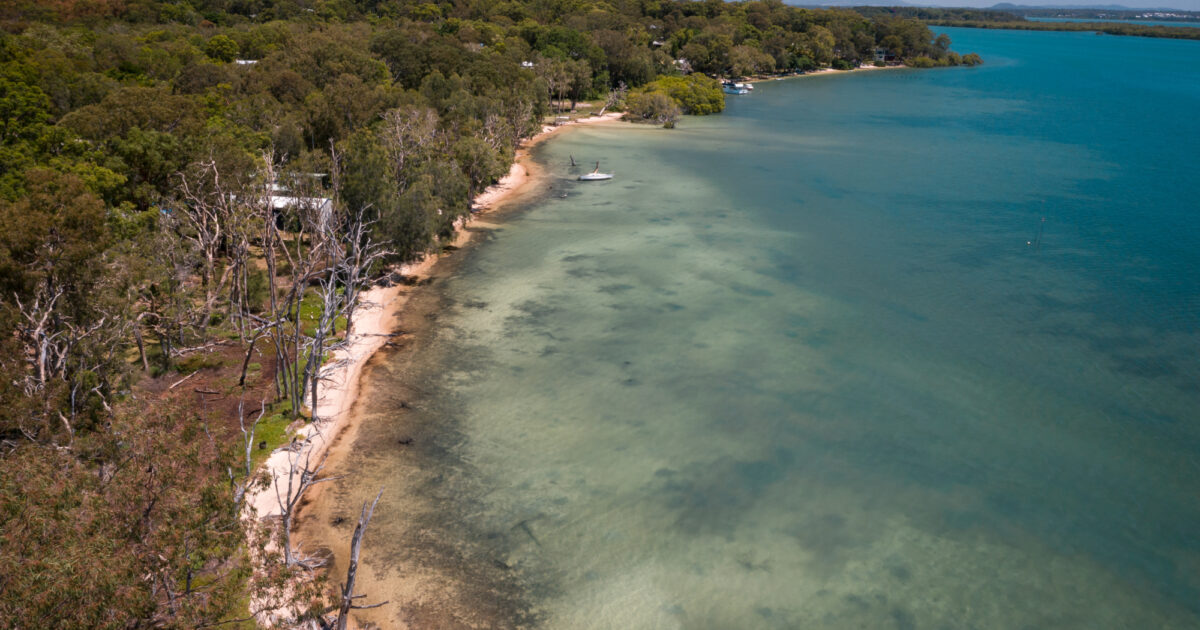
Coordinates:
1146 22
894 349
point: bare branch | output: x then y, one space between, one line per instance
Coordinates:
239 491
348 595
301 476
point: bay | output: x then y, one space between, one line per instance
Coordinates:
896 348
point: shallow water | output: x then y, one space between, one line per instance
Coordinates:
818 362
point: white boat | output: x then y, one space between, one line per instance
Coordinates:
744 86
595 176
730 88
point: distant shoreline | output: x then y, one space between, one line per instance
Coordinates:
1100 28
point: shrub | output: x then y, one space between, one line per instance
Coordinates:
805 64
221 48
652 107
695 94
197 362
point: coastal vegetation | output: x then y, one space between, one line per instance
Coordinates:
192 196
1107 28
665 99
1016 20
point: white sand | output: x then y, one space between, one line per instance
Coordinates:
374 321
820 72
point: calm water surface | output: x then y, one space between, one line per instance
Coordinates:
907 349
1146 22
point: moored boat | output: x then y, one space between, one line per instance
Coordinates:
595 175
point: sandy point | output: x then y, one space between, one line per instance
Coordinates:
523 170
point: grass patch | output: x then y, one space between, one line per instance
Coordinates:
310 314
197 362
272 429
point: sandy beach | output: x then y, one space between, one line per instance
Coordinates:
522 170
821 72
376 319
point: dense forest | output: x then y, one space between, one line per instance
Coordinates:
198 189
1016 19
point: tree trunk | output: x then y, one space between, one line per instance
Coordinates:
137 335
348 595
246 361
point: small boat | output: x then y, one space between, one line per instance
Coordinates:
595 176
732 88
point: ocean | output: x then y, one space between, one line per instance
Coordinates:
888 349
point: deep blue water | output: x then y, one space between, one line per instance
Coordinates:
888 349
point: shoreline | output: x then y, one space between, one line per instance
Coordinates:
519 176
821 72
338 413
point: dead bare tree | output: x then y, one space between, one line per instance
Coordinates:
239 489
270 244
362 256
208 205
258 333
350 253
358 251
166 304
242 229
41 337
304 262
493 131
408 134
284 311
61 352
270 231
615 96
301 476
332 306
518 115
347 595
328 255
